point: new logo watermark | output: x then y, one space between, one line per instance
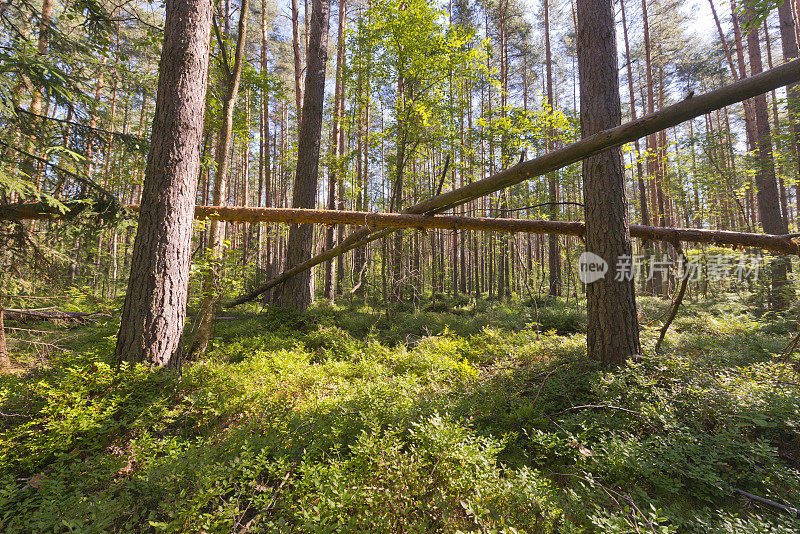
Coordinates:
591 267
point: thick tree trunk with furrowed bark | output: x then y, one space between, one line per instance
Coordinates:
154 312
612 325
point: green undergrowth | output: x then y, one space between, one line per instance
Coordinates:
475 418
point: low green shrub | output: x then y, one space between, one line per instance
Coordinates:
348 420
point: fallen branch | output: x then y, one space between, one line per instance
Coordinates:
598 406
222 318
46 315
769 502
357 286
30 331
5 362
2 295
789 349
678 300
3 414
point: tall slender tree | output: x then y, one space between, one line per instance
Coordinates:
264 160
769 206
644 211
790 52
554 250
337 147
297 290
232 76
298 61
36 97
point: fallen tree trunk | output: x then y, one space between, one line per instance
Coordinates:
654 122
782 244
375 220
46 315
377 225
662 119
44 211
388 222
39 210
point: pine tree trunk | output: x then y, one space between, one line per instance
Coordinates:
554 250
155 304
644 212
297 290
28 166
790 52
337 147
654 282
776 125
769 206
298 62
396 200
749 117
265 176
612 324
340 194
211 280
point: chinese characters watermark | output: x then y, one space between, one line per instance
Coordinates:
713 267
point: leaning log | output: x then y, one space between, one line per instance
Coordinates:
654 122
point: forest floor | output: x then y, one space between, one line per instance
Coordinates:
474 417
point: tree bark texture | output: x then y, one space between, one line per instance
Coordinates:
768 198
154 312
612 323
